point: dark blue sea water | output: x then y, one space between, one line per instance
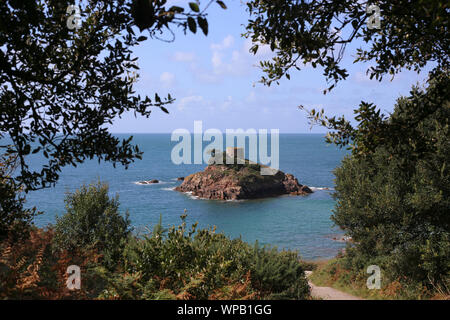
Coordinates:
294 222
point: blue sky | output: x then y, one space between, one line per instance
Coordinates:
215 79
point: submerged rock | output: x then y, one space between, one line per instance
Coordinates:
149 181
240 181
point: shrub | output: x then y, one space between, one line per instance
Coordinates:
93 221
201 264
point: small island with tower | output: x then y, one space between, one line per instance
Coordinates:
236 178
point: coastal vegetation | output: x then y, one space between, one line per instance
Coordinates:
392 193
180 262
61 91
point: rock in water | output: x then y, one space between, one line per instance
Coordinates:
149 181
240 181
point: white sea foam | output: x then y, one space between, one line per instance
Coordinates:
321 188
152 184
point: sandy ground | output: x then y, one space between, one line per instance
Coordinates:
328 293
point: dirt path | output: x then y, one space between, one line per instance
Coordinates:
328 293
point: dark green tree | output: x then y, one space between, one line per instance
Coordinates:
392 192
63 81
14 218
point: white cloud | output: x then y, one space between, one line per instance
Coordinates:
216 60
361 77
183 56
227 103
227 42
167 79
264 51
251 97
188 101
227 60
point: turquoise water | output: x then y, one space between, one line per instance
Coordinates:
300 223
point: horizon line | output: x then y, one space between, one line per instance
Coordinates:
202 133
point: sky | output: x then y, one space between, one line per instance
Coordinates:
214 79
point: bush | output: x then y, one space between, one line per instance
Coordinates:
200 264
93 221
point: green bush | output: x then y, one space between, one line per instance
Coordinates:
200 264
393 193
93 221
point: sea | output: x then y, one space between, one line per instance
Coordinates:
299 223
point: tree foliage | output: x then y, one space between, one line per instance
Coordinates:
317 32
393 192
62 87
14 218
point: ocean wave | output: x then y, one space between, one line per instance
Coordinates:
321 188
168 189
152 184
190 195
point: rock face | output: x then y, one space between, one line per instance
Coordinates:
240 181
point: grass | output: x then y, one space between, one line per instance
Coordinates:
330 273
327 274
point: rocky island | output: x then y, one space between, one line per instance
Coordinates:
239 181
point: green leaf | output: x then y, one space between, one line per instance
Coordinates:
203 23
26 149
220 3
36 150
176 9
164 109
194 6
192 25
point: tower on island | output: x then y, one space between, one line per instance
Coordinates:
235 153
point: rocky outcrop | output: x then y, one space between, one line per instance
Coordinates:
149 181
233 182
